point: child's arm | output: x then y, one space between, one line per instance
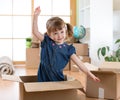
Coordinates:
35 30
82 67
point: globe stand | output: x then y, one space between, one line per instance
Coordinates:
77 41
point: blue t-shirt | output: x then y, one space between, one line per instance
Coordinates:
54 58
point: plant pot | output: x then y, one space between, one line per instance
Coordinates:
28 44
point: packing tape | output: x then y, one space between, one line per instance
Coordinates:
101 93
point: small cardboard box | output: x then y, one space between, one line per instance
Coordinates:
108 88
32 57
30 89
81 49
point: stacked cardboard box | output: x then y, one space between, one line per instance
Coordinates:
82 51
67 67
32 57
109 87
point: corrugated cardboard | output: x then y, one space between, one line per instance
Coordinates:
110 66
81 49
31 89
67 67
85 59
32 57
108 88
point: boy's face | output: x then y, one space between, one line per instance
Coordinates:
58 36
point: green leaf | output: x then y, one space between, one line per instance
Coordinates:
118 53
108 48
113 58
106 58
103 51
98 53
117 41
119 59
29 39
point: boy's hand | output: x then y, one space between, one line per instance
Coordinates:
37 11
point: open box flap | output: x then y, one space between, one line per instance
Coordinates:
11 78
116 70
110 65
104 72
52 86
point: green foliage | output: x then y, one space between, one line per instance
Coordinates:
117 41
29 39
28 42
103 51
111 58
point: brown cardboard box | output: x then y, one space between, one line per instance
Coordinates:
67 67
83 97
32 57
108 88
81 49
110 66
31 89
74 67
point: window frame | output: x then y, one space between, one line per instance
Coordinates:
72 21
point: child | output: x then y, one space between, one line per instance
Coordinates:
55 52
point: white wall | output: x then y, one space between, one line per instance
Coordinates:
116 24
101 27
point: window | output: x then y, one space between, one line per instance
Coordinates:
16 22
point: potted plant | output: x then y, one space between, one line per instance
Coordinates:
105 52
28 42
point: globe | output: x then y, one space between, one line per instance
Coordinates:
79 32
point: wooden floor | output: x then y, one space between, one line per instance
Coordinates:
9 90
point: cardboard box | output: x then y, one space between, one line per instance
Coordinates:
31 89
67 67
81 49
108 88
32 57
110 66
